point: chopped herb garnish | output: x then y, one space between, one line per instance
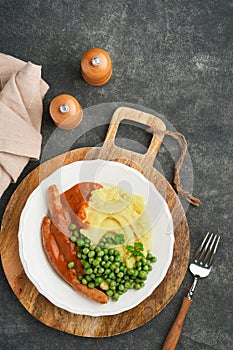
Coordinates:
136 249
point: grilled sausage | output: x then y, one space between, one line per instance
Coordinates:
60 251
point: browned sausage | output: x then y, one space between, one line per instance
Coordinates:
59 216
75 201
69 207
60 251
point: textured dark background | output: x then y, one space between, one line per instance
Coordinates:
174 57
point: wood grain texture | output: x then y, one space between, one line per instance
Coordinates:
103 326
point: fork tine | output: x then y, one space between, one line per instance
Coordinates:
205 249
200 247
214 252
209 251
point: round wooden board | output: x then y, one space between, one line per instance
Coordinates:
88 326
103 326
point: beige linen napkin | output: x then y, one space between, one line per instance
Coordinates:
21 94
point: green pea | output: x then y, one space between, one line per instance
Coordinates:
113 284
101 253
88 271
145 268
86 264
98 280
116 252
73 239
70 264
106 257
138 264
115 296
100 270
76 233
91 260
107 271
103 263
118 258
96 262
91 247
85 250
112 267
91 285
137 286
84 256
101 244
84 281
88 242
109 292
80 277
97 249
91 254
150 268
127 284
120 292
135 273
143 275
79 255
143 261
92 275
88 278
120 274
121 287
72 227
118 280
80 243
153 259
142 284
108 280
112 275
111 251
111 258
149 256
126 278
130 272
117 270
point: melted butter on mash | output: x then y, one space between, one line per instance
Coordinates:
112 210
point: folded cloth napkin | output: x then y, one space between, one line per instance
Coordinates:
21 93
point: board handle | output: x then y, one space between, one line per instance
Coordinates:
110 151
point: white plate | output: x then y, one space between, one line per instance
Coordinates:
35 262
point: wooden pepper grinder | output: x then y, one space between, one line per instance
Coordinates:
66 111
96 67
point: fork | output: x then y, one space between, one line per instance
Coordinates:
200 267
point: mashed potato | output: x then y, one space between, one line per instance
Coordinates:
112 210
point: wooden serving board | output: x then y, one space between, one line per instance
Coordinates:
103 326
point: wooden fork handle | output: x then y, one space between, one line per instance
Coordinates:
174 333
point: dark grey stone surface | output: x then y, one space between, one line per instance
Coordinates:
174 57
